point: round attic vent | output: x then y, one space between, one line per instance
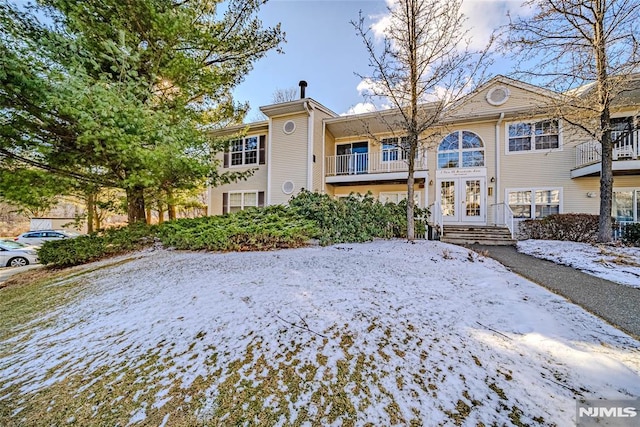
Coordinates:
288 187
498 95
289 127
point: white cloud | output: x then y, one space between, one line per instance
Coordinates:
361 107
483 18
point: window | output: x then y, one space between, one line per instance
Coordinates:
543 135
534 203
461 149
246 151
626 205
239 200
394 149
397 197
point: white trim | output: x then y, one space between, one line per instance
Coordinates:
374 177
594 169
533 190
269 151
461 150
533 145
497 155
493 89
257 150
309 147
242 205
322 160
284 127
402 195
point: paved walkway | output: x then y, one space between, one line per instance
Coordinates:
617 304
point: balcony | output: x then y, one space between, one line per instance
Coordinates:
367 167
626 156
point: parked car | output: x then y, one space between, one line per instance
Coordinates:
38 237
14 254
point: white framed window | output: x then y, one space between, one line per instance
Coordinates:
244 151
625 205
247 151
397 197
235 201
394 149
542 135
534 203
461 149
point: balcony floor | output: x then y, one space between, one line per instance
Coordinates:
620 168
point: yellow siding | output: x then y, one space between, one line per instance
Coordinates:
289 157
256 182
318 151
375 190
520 100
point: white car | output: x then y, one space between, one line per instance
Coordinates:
14 254
38 237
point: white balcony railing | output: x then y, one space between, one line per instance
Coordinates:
367 163
625 147
503 215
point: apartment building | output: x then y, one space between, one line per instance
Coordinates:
500 154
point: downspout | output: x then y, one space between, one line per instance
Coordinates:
309 110
269 151
324 143
497 161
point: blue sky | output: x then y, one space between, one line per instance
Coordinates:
323 49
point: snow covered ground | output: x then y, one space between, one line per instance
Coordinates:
619 264
387 333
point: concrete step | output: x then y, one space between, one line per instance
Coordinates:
482 235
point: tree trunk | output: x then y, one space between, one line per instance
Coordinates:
604 102
148 213
135 205
171 208
91 203
160 213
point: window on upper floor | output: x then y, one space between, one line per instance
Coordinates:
394 149
461 149
245 151
533 136
534 203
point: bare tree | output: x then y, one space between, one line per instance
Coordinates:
284 95
423 65
587 50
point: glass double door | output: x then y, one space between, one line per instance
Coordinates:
463 200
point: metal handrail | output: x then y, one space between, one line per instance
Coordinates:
503 215
437 219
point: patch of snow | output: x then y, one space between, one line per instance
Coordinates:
421 314
619 264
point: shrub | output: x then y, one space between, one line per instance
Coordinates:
573 227
91 247
309 215
356 218
631 234
272 227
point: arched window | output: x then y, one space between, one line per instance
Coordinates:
461 149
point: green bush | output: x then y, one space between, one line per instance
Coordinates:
631 234
572 227
309 215
273 227
91 247
353 219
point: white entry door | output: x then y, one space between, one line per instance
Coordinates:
463 199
